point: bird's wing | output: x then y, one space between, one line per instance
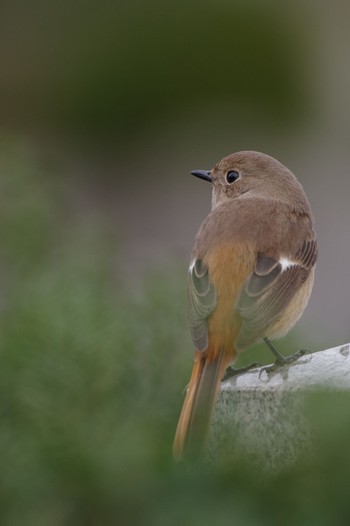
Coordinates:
201 301
270 288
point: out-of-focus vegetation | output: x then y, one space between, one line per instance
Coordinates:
123 66
91 385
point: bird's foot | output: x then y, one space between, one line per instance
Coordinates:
282 360
232 371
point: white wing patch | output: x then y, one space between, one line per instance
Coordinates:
286 263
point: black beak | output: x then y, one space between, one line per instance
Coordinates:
203 174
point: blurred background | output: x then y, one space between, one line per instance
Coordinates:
105 108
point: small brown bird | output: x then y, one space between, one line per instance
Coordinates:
250 276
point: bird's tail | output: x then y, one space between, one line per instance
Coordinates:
194 423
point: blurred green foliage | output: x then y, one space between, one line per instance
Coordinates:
122 66
91 385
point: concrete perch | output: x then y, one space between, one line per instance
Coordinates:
264 411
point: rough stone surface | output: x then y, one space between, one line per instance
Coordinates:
263 411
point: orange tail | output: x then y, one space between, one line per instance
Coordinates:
194 423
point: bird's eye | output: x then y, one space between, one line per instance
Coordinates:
232 176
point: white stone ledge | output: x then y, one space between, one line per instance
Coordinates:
263 412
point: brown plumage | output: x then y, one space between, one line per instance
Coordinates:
250 277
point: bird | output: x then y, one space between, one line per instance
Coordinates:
250 277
